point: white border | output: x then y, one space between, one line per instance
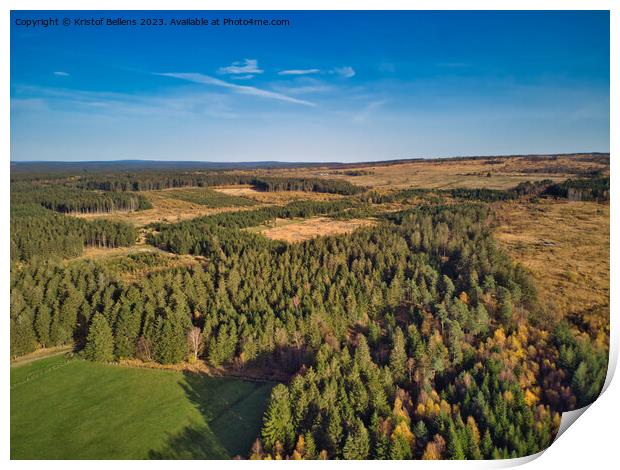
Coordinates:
591 444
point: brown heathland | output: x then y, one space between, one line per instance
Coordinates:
275 197
566 247
297 230
492 173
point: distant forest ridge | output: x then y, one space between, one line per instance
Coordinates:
48 167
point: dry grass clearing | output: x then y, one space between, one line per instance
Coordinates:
566 247
91 252
135 262
467 173
275 197
296 230
165 209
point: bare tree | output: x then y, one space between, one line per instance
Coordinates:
194 341
144 349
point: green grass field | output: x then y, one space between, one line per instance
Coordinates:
74 409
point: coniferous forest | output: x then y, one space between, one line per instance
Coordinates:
415 337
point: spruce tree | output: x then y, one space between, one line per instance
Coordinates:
277 422
398 356
42 325
170 344
357 443
126 333
100 342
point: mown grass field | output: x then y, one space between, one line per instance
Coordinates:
74 409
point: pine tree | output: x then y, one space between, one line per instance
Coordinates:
455 447
400 448
126 333
170 344
398 356
22 336
277 422
42 325
487 445
357 443
100 342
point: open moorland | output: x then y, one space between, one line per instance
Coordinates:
415 309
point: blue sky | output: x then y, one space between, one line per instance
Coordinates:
332 86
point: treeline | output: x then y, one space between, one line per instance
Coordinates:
67 200
409 339
589 189
160 180
39 233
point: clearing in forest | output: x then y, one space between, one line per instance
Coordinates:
275 197
167 207
296 230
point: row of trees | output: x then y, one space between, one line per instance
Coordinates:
145 181
73 200
39 233
595 188
587 189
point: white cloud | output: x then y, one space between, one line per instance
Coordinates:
241 77
244 89
246 66
368 111
346 71
116 105
299 72
61 74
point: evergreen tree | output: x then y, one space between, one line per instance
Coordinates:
277 423
398 356
455 446
22 336
100 342
126 332
42 326
170 344
357 443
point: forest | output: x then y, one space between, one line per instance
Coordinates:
415 338
145 181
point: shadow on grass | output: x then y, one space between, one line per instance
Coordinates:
232 411
193 443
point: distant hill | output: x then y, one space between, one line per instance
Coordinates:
147 165
45 167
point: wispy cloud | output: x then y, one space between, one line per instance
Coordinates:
243 67
243 89
367 112
60 73
115 105
302 85
299 72
346 71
